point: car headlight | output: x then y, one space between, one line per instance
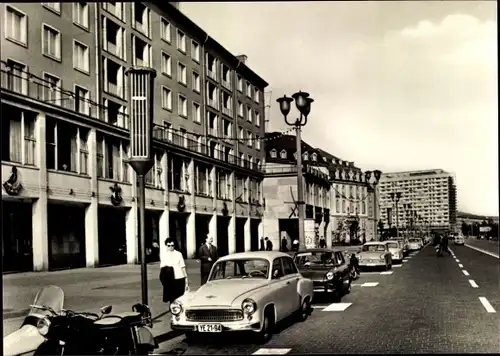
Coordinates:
329 276
382 257
43 326
249 306
175 308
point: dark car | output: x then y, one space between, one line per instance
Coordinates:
327 268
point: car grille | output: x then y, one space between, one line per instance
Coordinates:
210 315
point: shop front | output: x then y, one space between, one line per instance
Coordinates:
17 252
112 235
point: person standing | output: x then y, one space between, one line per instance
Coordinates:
262 245
269 244
295 245
208 255
173 275
284 244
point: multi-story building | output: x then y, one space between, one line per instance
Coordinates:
339 203
428 199
69 198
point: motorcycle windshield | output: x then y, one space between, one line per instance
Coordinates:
49 296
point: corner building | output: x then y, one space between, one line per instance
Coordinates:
68 194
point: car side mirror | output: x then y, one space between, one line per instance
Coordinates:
106 309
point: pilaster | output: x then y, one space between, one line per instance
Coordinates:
247 235
131 224
91 211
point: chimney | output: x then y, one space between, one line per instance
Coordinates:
242 58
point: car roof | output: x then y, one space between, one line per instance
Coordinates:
267 255
333 249
376 243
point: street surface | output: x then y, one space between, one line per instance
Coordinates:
426 305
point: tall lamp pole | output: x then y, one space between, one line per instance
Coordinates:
141 91
303 103
376 174
395 197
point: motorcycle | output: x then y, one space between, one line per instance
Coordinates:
51 330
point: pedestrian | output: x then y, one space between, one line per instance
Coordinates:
444 245
208 255
284 244
295 245
269 244
322 242
173 275
262 244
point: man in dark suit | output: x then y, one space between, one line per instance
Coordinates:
207 255
269 244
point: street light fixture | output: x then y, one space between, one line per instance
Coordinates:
395 197
303 103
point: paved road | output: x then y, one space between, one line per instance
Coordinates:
427 305
484 245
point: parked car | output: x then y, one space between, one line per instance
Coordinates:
375 254
248 291
395 249
415 244
327 268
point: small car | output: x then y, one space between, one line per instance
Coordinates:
327 268
247 291
396 250
459 240
375 254
415 244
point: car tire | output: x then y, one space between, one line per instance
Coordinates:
348 287
266 333
304 310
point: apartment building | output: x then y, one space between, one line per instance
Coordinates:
68 194
428 199
340 204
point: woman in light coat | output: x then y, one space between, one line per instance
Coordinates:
173 275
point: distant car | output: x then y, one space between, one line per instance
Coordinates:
415 244
327 268
248 291
459 240
375 254
395 249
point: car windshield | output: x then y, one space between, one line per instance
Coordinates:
393 245
315 258
240 268
414 240
374 248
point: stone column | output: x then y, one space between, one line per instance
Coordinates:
164 225
91 211
329 237
248 235
131 225
310 233
232 222
191 220
212 228
40 206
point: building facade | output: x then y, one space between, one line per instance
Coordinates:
428 199
69 198
340 204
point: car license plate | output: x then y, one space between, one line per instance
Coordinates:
210 328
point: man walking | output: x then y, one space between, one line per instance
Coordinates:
444 245
208 255
269 244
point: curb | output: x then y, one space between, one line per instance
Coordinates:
482 251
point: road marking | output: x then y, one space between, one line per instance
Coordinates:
319 306
473 283
396 266
405 261
460 265
465 272
457 260
369 284
487 305
276 351
483 251
372 272
337 307
387 272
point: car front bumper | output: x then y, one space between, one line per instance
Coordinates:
323 286
226 326
372 263
397 256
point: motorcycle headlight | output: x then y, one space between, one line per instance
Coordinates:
175 308
329 276
43 326
249 306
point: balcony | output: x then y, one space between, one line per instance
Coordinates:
115 89
227 84
228 112
213 75
213 103
213 132
142 28
114 49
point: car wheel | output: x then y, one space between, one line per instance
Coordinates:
266 333
348 287
304 311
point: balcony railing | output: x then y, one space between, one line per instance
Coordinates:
213 131
114 49
212 74
228 112
227 84
213 103
115 89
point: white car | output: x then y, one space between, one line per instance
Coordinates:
459 240
395 249
415 244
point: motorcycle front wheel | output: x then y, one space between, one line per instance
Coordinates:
48 349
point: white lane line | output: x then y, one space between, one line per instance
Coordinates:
457 260
465 272
460 265
404 261
337 307
486 304
396 266
319 306
276 351
483 251
372 272
473 284
387 272
369 284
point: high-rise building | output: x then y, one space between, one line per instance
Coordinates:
428 199
69 198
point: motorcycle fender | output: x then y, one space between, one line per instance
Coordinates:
23 340
145 337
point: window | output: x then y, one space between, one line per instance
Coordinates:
114 78
142 52
241 134
195 51
82 100
249 114
257 142
256 95
17 77
314 157
196 82
176 169
196 112
81 14
223 184
273 153
115 8
166 98
18 135
250 139
115 113
114 39
240 109
227 127
80 56
111 158
201 178
16 25
249 89
166 64
182 106
51 43
181 41
52 89
166 29
283 154
141 18
240 84
181 73
257 119
154 176
306 156
54 6
288 266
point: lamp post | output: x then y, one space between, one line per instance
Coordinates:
141 91
303 103
395 197
376 174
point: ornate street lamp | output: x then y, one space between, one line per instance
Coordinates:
303 104
395 197
368 175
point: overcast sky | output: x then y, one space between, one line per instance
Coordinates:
397 85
